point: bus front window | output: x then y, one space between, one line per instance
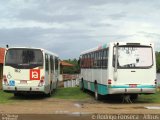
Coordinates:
134 57
24 58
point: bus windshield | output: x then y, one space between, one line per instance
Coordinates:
24 58
133 57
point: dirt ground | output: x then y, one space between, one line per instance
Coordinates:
61 106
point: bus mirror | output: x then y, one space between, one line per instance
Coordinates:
7 46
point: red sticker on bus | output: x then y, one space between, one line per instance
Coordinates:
35 74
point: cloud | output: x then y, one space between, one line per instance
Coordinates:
70 44
69 27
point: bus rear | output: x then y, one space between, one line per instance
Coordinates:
23 70
133 69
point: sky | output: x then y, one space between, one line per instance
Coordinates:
69 27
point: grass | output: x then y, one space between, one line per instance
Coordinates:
70 93
76 93
5 97
73 93
152 98
62 93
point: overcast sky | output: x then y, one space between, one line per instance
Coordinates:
68 27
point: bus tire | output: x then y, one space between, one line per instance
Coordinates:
57 84
50 91
96 95
82 86
134 97
16 94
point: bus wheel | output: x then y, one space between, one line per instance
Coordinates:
82 86
96 95
57 84
16 94
134 97
50 91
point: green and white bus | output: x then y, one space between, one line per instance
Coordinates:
119 68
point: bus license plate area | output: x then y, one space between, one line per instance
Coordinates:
132 85
23 82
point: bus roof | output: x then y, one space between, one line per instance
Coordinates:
103 46
46 51
95 48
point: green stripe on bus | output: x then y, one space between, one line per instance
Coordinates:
102 89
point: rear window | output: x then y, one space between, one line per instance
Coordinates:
134 57
24 58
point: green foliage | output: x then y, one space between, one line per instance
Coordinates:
158 61
71 70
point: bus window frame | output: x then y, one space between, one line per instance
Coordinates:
142 67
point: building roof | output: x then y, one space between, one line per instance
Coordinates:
64 63
2 52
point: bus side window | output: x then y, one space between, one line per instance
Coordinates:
101 59
105 58
95 60
52 64
86 58
81 61
56 63
85 61
98 58
89 60
46 62
92 60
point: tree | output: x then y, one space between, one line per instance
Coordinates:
72 70
158 61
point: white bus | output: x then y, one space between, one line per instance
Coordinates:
30 70
119 68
